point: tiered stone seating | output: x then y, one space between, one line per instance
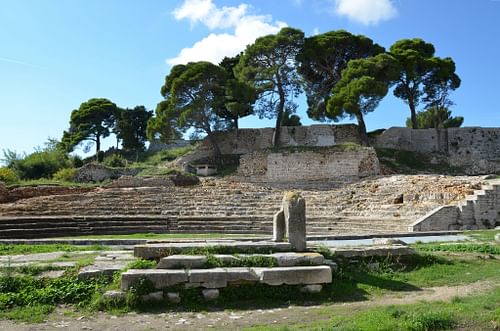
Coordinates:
386 204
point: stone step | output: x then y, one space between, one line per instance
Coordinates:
223 277
160 250
288 259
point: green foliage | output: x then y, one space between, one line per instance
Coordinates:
269 67
243 261
115 161
436 118
462 247
92 121
362 86
65 174
18 249
43 163
131 126
142 264
159 157
8 176
423 77
322 60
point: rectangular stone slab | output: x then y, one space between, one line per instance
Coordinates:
161 278
157 251
294 275
182 262
369 251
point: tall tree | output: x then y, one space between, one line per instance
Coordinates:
421 73
269 65
131 127
362 86
92 121
193 99
239 96
322 60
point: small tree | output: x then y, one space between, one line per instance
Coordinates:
131 127
322 60
269 66
436 117
93 121
193 100
364 83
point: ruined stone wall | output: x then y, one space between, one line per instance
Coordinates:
26 192
251 140
476 150
327 163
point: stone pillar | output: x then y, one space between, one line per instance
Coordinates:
279 226
294 209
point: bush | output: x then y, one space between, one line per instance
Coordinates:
8 175
41 164
65 174
115 161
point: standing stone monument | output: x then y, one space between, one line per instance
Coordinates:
294 212
279 226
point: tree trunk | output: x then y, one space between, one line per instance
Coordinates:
236 128
97 147
217 155
362 130
279 116
413 111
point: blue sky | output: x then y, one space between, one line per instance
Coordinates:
56 54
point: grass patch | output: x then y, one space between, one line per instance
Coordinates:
156 158
460 247
484 235
52 182
11 249
142 264
160 236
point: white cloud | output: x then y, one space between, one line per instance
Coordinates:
368 12
243 28
316 31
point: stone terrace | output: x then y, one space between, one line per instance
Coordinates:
374 205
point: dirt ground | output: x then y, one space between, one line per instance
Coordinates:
234 320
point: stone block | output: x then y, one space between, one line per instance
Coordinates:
182 262
294 275
296 259
393 250
161 278
210 294
95 271
209 278
173 297
387 241
312 289
294 208
153 297
279 226
241 276
114 296
497 237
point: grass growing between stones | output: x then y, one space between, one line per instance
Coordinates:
21 249
164 236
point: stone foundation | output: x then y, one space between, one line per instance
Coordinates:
328 163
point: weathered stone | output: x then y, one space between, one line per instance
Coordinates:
312 289
173 297
209 278
295 275
153 297
182 262
52 274
161 278
297 259
333 266
387 241
294 207
279 226
210 294
99 270
393 250
241 276
497 237
114 296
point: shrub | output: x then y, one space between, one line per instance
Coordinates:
115 161
65 174
41 164
8 175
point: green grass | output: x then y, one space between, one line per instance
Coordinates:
53 182
159 236
480 312
484 235
157 158
19 249
461 247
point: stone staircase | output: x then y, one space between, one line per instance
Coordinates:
377 205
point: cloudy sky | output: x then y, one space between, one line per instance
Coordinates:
56 54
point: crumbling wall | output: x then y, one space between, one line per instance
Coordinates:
476 150
317 164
